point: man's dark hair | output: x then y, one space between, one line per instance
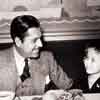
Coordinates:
21 24
93 43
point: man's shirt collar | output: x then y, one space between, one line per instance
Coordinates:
19 61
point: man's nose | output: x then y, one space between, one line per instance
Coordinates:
39 43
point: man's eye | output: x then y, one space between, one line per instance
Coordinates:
34 40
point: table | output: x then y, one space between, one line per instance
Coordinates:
92 96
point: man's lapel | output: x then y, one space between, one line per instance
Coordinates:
8 73
38 78
96 86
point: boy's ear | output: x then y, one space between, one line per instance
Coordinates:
18 42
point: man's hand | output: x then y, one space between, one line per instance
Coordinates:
24 88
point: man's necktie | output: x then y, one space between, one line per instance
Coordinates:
25 73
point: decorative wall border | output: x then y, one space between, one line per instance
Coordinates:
58 29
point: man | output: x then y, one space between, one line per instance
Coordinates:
92 65
26 34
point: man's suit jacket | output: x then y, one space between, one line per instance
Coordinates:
39 69
96 87
83 85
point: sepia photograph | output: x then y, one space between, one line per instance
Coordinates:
49 50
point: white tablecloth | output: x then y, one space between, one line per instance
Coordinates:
93 96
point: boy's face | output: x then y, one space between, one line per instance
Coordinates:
92 61
31 44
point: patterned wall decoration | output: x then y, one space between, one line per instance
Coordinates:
26 5
38 8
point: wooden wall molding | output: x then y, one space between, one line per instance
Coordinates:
59 29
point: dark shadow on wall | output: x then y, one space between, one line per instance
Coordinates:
5 45
69 54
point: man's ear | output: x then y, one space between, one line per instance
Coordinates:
18 42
